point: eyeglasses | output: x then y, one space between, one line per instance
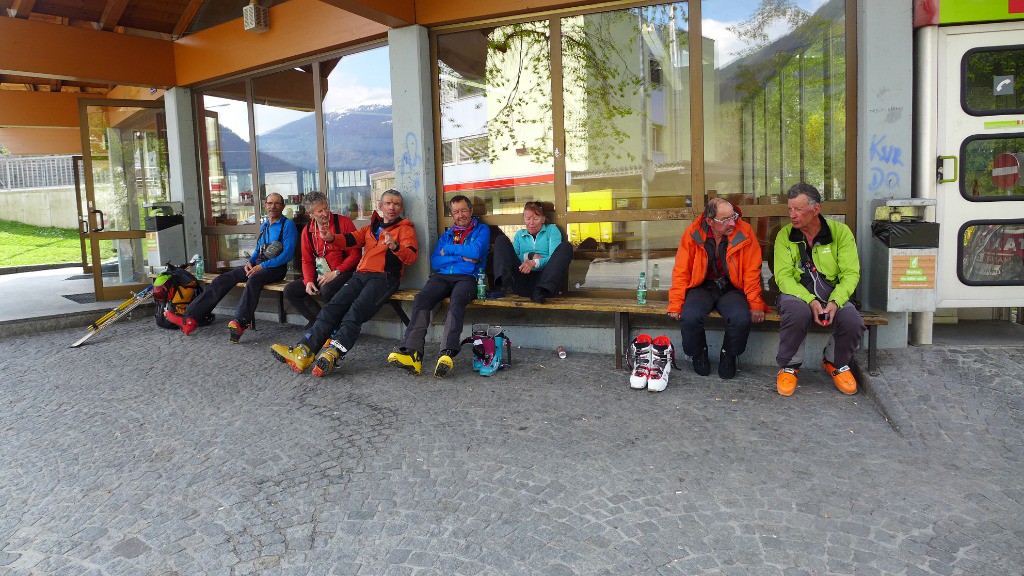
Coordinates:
732 218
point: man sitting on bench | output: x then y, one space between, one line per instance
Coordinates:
460 255
718 266
817 270
275 248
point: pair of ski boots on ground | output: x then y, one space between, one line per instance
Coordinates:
188 325
652 361
300 357
412 361
492 351
842 377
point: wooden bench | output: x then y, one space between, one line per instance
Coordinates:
278 287
622 309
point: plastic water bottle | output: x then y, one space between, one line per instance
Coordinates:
200 266
481 286
641 290
655 279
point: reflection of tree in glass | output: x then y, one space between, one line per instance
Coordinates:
605 80
754 31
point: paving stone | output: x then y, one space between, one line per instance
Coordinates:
238 466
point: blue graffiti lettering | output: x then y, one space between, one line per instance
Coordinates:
887 154
880 177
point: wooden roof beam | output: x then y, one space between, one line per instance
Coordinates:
22 8
42 50
391 13
187 18
112 13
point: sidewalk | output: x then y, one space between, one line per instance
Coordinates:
147 452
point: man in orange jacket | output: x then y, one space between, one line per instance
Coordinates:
718 266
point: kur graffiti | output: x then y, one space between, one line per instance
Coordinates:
888 156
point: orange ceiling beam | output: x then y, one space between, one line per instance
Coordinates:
435 12
41 140
20 109
297 28
45 50
391 13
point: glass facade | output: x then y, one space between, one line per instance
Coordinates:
494 87
321 125
628 120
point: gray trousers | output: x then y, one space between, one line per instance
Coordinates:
848 330
461 289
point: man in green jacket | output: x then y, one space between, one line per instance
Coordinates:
817 270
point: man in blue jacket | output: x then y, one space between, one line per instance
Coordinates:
460 255
275 248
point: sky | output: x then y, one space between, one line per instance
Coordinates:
358 79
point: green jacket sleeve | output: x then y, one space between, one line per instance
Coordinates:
848 261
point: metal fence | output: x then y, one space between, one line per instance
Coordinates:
20 172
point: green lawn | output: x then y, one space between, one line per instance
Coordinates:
25 245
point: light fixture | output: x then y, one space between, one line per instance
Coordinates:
255 18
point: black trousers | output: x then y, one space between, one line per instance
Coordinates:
506 269
343 317
461 288
305 304
733 307
221 285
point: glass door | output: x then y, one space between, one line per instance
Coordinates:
124 145
980 197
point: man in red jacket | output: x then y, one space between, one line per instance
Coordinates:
718 266
325 266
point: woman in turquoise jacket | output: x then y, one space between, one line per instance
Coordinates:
536 261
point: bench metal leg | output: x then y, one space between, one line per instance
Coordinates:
281 316
400 311
621 334
873 350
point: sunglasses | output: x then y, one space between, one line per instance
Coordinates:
732 218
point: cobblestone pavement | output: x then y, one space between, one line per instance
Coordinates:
145 452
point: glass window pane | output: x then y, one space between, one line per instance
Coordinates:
495 94
992 253
286 136
358 132
232 250
774 103
627 108
226 162
993 167
993 81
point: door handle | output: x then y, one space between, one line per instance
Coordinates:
100 220
83 225
939 169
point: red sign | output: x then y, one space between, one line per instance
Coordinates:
1006 170
1016 6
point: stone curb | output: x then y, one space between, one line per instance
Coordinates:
36 267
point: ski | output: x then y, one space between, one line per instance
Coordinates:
116 314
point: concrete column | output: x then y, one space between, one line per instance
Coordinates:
413 125
884 132
183 157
